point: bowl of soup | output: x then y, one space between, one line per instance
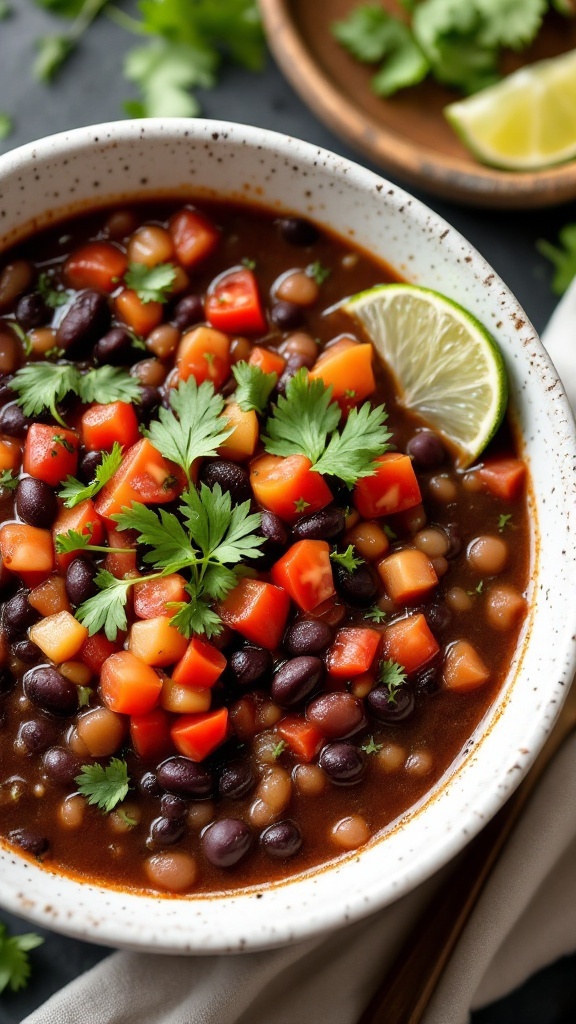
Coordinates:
272 651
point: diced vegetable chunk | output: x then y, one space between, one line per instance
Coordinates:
409 642
353 651
408 575
201 665
59 636
156 642
463 668
393 488
128 685
196 736
305 572
258 610
288 486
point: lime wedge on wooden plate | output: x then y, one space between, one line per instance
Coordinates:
446 365
525 122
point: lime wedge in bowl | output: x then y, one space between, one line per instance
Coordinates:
447 367
525 122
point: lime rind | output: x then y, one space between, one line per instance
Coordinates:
446 365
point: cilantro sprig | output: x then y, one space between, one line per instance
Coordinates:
8 480
74 491
347 559
306 420
392 676
193 428
151 284
562 257
104 787
14 961
254 387
41 386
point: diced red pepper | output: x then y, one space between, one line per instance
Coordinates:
50 453
102 425
201 666
234 305
95 650
258 611
305 572
303 738
196 736
194 236
150 734
393 487
353 651
99 265
128 686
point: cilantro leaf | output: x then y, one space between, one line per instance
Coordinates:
104 787
224 533
350 454
40 386
254 387
53 297
302 419
193 428
171 546
151 284
504 520
511 23
72 540
14 963
318 272
196 616
7 479
347 558
562 257
375 614
74 491
392 676
52 51
165 72
371 747
106 610
6 126
371 34
108 384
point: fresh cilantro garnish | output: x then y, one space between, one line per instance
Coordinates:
53 297
304 422
504 521
5 10
104 787
55 353
392 676
108 384
389 532
248 263
371 747
41 386
254 387
51 52
59 439
6 126
193 428
84 695
7 479
562 257
208 542
151 284
72 540
74 491
372 35
347 558
126 818
477 589
375 614
278 749
300 505
14 963
318 272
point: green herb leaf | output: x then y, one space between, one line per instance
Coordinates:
7 479
392 676
104 787
224 533
371 35
84 695
52 51
562 257
151 284
254 387
74 491
6 126
193 428
14 962
347 558
375 614
164 72
171 547
72 540
196 616
350 455
504 521
106 610
371 747
108 384
279 749
53 297
302 419
318 272
41 386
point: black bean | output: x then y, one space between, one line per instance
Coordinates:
150 399
324 525
426 680
89 463
85 322
358 587
115 348
343 763
32 311
336 715
236 780
13 421
7 681
6 393
438 617
297 231
275 532
18 615
173 806
426 450
27 651
61 765
80 576
390 710
230 476
250 665
452 531
50 690
36 735
187 312
295 362
184 777
308 636
296 680
148 784
165 832
282 839
287 315
226 842
36 502
31 842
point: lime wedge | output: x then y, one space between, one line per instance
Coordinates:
446 365
525 122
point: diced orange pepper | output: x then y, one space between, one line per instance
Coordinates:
241 443
408 575
196 736
10 454
50 597
204 353
258 611
288 486
503 477
409 642
268 361
153 597
142 317
348 370
303 738
128 686
201 665
194 236
99 265
27 551
463 668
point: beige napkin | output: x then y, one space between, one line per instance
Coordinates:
525 919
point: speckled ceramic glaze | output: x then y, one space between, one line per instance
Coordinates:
47 180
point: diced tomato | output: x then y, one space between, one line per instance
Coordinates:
258 611
50 453
102 425
129 686
332 612
353 651
121 563
194 236
204 353
153 597
503 477
27 551
409 642
268 361
95 650
144 476
393 487
83 519
201 666
288 486
348 370
150 734
99 265
141 316
196 736
305 572
303 738
234 305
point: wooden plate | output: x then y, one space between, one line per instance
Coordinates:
406 135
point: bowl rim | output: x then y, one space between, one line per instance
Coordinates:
275 915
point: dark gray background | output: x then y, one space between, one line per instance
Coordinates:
91 89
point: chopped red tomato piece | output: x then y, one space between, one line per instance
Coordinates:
393 487
50 453
153 597
353 651
288 486
202 665
503 477
150 734
410 642
144 476
258 611
196 736
303 738
95 650
83 519
99 265
305 572
102 425
194 236
129 686
234 305
204 354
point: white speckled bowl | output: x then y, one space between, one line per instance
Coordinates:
43 182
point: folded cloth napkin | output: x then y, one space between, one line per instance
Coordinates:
525 918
